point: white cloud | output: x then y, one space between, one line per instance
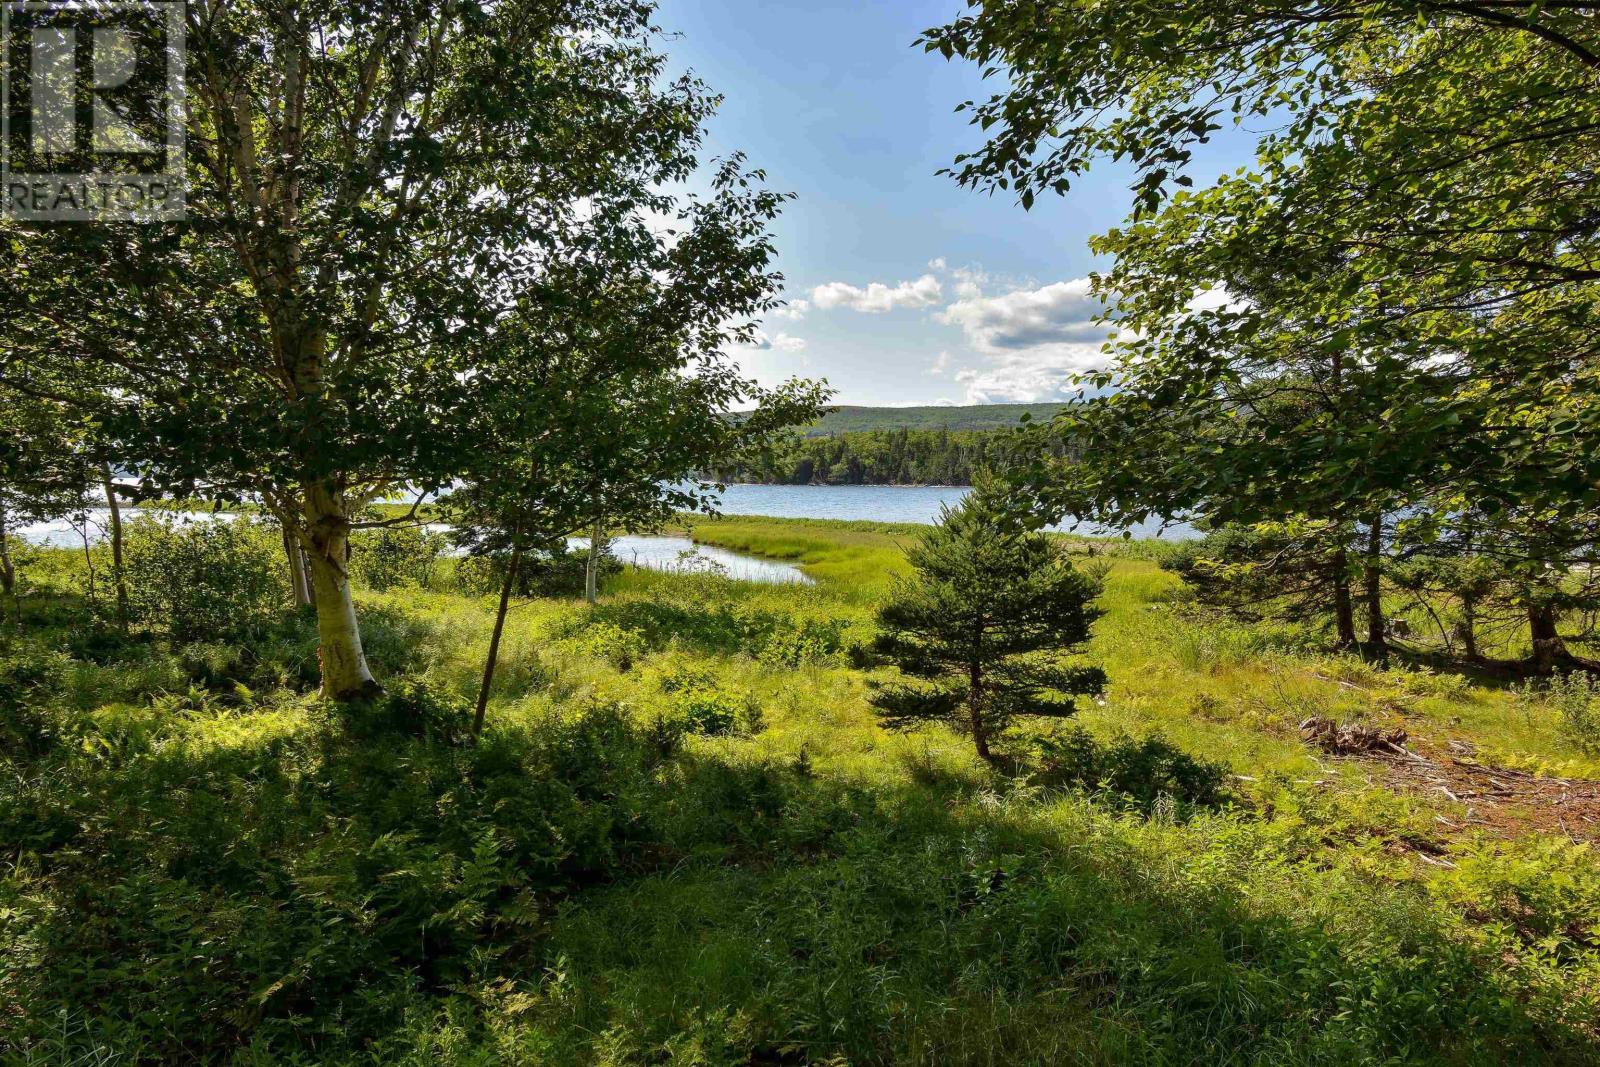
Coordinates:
781 342
970 282
1027 377
878 297
793 310
1214 298
940 365
1033 339
1062 313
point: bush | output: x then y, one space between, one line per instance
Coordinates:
715 713
1575 700
330 872
711 625
1135 772
698 706
394 556
203 581
809 641
617 645
555 572
416 709
30 681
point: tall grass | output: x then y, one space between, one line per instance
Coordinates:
686 840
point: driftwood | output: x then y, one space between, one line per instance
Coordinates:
1350 737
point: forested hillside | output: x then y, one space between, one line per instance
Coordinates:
931 445
877 457
850 419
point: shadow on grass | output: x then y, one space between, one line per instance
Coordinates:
579 889
1483 670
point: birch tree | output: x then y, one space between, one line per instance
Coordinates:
373 186
604 408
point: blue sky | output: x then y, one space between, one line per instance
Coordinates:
915 290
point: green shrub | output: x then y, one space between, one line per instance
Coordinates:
211 662
617 645
684 677
203 581
1139 772
808 641
290 880
30 682
388 557
713 712
710 625
1575 701
555 572
414 708
1544 891
698 706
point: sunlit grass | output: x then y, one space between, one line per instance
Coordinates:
824 887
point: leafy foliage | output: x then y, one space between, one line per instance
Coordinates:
204 580
1288 571
408 250
396 555
207 866
876 457
1380 317
983 622
1147 773
1574 701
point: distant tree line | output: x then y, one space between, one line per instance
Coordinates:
878 457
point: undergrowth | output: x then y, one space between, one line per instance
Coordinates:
683 839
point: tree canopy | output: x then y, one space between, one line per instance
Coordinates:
1389 313
375 192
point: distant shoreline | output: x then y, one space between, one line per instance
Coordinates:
853 485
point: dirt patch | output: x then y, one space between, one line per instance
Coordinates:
1497 800
1502 800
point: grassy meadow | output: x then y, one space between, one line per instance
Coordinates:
684 839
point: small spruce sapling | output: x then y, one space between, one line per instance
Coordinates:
984 627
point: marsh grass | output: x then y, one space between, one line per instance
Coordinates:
202 863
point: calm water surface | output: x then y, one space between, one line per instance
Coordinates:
684 556
677 554
877 503
886 503
59 533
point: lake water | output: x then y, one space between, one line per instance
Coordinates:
682 555
59 533
887 503
678 554
878 503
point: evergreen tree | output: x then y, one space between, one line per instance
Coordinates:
983 627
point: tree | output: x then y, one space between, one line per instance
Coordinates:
596 407
1427 180
1417 237
373 190
44 472
983 626
1293 570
